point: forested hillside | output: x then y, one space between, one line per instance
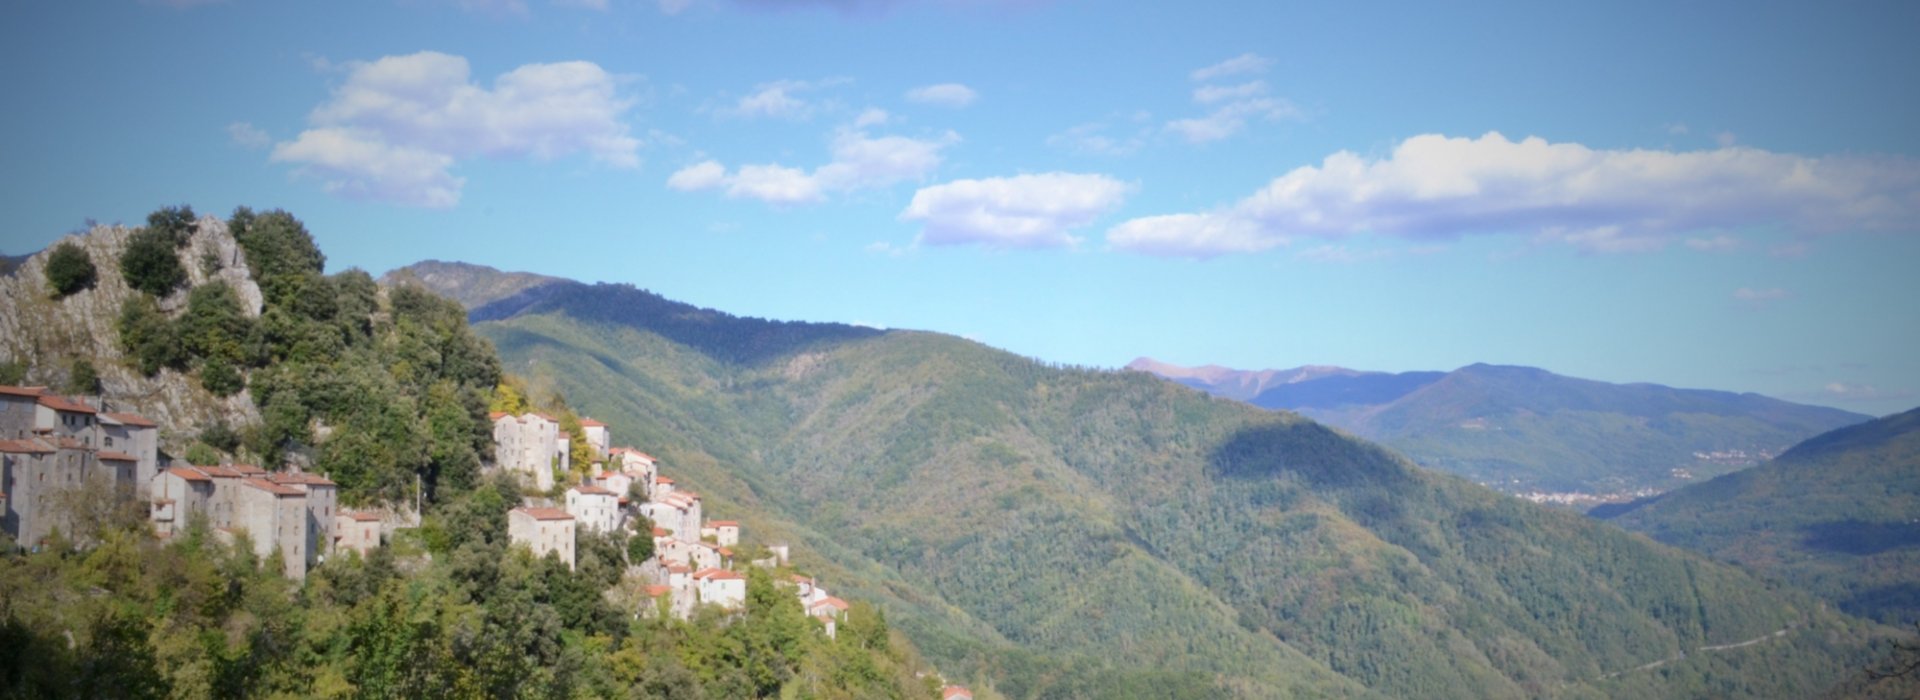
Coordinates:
1838 515
1064 532
1522 429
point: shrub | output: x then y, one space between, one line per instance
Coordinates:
173 224
220 378
82 378
148 337
151 263
70 269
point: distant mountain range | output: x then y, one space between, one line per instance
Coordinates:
1527 430
1838 515
1064 532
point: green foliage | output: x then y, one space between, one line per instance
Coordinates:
190 617
151 262
1835 515
13 373
148 337
201 453
70 269
509 396
82 378
640 546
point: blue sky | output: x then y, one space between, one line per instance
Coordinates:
1718 195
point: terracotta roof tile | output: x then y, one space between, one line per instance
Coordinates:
307 478
359 516
219 472
657 591
116 456
132 419
26 391
724 523
546 513
716 575
591 491
25 447
273 488
62 403
591 423
188 473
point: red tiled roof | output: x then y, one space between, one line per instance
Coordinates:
801 579
497 415
132 419
590 490
837 603
677 569
657 591
663 480
25 447
62 403
659 532
358 516
116 456
273 488
219 472
955 692
726 552
724 523
188 473
307 478
545 513
27 391
591 423
717 575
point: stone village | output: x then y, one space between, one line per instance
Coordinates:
52 446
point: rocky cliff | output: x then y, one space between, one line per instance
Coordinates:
48 333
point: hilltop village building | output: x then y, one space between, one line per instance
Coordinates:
544 530
50 445
525 445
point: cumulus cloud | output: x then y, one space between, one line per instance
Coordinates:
1238 65
860 161
247 135
1232 106
1023 211
1436 187
943 95
872 116
396 126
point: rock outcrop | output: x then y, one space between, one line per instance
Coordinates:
48 333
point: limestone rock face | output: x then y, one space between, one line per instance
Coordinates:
49 333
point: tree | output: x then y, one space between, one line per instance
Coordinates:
640 546
70 269
13 373
82 378
173 224
148 337
151 263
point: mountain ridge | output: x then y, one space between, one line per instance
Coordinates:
1528 430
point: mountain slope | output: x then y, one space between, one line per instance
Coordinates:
1058 532
1521 429
1838 515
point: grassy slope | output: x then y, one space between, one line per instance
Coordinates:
1020 521
1836 515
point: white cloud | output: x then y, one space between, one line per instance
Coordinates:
248 136
1231 118
1676 128
780 99
1238 65
1726 139
943 94
1232 106
1847 391
1435 187
395 127
1209 94
872 116
859 162
1023 211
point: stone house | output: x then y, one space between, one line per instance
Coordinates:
620 483
678 511
18 406
726 532
598 439
524 445
322 505
63 417
542 530
274 517
131 434
595 508
178 493
721 587
355 531
955 692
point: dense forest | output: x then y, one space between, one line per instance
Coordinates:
1838 515
1114 522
